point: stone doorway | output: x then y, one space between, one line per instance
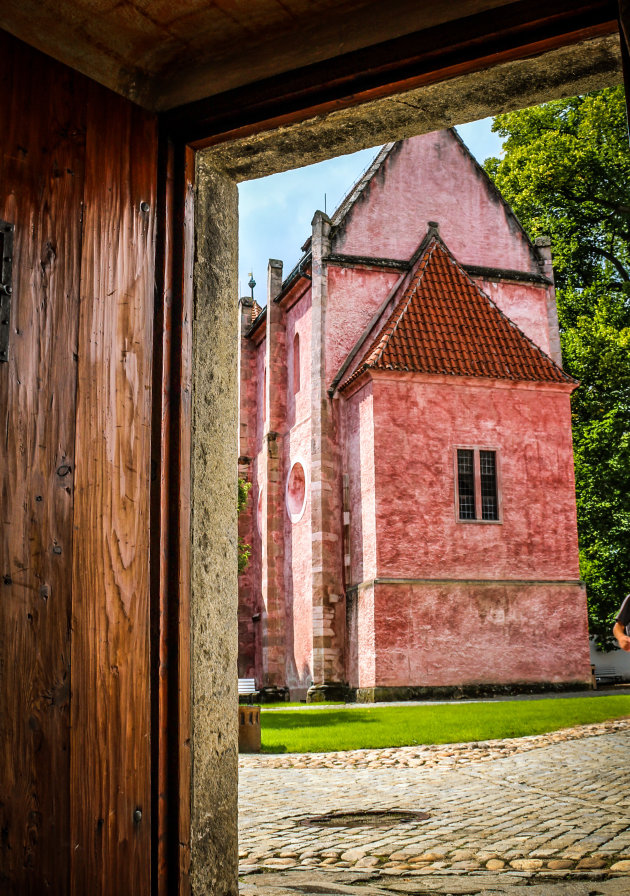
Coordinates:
583 67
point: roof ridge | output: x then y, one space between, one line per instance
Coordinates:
493 187
509 321
346 205
349 200
444 322
409 293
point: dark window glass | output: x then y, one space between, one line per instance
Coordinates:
296 363
466 483
488 475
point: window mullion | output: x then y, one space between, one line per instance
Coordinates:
477 482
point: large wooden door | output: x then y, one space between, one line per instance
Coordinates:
78 172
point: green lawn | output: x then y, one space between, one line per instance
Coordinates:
280 704
311 731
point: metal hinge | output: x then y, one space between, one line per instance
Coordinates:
6 286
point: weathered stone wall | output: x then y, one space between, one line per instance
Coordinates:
297 534
441 634
354 296
358 438
327 585
527 305
434 178
417 427
567 71
273 479
248 587
213 635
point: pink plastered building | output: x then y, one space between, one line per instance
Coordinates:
405 424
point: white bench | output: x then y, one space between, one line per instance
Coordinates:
247 688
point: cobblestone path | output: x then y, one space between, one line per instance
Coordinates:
555 806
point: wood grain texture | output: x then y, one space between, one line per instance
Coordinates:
450 49
162 660
170 523
111 719
41 191
186 227
170 543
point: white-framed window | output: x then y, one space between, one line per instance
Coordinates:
477 485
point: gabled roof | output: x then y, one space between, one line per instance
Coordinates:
445 324
346 205
355 191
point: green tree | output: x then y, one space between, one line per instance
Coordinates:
565 170
244 550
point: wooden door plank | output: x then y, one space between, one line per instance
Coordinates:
186 229
164 654
41 189
111 714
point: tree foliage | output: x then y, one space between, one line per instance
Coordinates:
244 550
565 171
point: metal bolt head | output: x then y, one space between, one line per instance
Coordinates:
145 207
137 816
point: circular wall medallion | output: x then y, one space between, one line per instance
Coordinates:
296 491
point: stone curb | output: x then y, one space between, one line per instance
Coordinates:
430 756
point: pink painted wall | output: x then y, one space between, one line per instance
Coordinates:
433 178
358 461
523 303
418 533
297 563
248 583
354 296
452 634
260 394
250 596
299 321
366 639
395 436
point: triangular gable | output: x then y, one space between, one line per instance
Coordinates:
358 188
350 199
343 213
431 176
444 323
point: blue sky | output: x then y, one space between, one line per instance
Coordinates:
275 212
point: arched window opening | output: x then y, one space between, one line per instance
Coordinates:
296 363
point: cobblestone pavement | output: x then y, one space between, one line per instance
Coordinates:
546 811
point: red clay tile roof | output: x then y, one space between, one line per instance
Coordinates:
445 324
256 309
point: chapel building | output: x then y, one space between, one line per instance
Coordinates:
405 423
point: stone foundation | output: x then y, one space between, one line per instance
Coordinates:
318 693
399 694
